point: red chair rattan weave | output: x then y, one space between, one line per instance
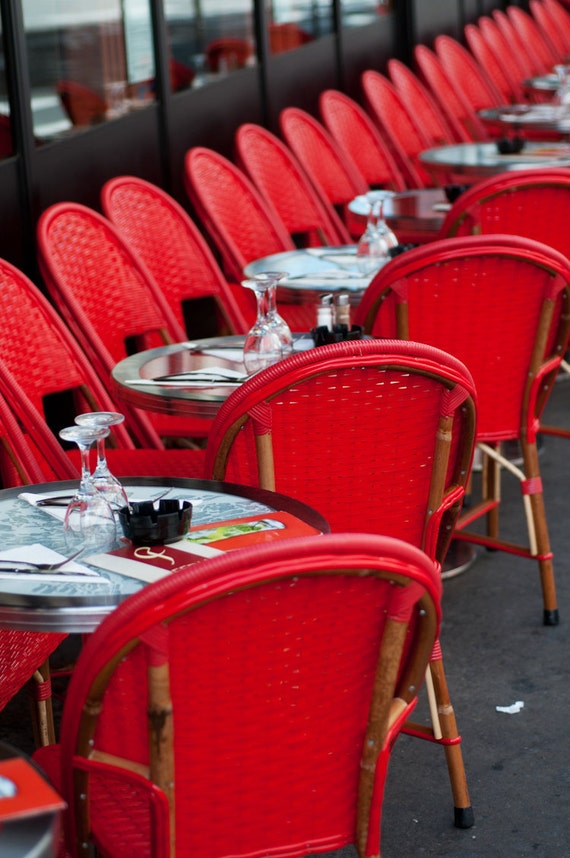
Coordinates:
329 167
439 129
516 66
241 223
109 299
24 655
308 425
496 68
549 28
451 101
45 377
396 124
359 139
538 46
258 743
309 217
561 16
465 74
512 36
500 304
170 244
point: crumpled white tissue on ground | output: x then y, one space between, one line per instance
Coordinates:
512 709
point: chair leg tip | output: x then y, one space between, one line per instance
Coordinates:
464 817
551 618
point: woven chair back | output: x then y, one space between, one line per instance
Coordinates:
170 244
256 741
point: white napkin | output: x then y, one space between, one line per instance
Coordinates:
37 553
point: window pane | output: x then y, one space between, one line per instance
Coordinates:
211 37
90 62
6 146
293 23
358 13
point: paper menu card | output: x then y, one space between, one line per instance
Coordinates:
150 563
32 795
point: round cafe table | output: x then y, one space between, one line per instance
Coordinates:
72 606
474 161
529 117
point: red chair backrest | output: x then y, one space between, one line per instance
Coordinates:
531 35
452 102
488 301
159 230
83 105
321 157
561 16
552 33
309 217
359 139
308 425
515 65
435 125
405 139
523 202
465 72
242 225
512 36
241 645
496 69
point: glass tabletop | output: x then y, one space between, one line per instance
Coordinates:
484 159
77 606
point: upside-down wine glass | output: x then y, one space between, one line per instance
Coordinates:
373 248
89 518
270 280
263 345
102 477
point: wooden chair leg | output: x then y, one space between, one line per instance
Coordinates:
42 710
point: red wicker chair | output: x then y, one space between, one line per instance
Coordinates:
440 130
512 36
359 139
83 105
500 304
41 363
307 426
452 102
258 743
561 16
110 301
329 167
240 222
541 13
309 217
516 67
405 138
465 74
228 53
159 230
540 47
496 68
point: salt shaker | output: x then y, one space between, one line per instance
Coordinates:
325 312
342 310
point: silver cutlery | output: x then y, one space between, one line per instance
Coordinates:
28 566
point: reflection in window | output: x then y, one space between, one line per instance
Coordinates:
211 37
6 145
359 13
293 23
89 62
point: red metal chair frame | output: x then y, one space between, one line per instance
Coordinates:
191 777
458 294
296 428
170 244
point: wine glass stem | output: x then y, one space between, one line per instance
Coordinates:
101 455
84 450
262 304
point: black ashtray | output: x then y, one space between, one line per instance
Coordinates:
453 192
145 524
400 248
322 336
511 145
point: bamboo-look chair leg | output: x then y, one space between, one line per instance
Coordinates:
538 530
451 741
491 489
42 711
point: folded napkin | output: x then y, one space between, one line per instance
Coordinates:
209 376
37 553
